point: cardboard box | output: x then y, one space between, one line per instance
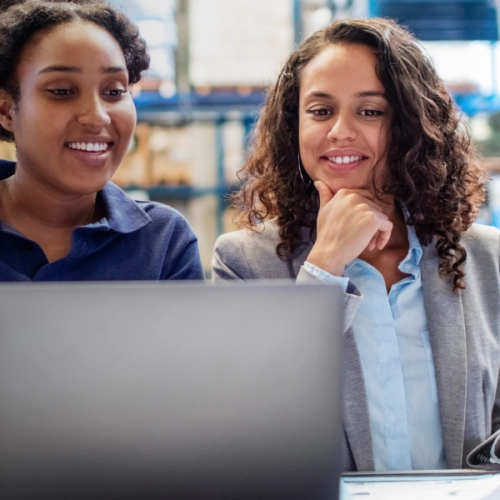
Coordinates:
134 169
171 155
7 151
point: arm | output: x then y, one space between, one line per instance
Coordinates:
230 262
187 266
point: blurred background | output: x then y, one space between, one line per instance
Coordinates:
211 63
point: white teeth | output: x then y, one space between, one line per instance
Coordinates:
344 159
88 146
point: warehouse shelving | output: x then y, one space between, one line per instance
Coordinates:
216 107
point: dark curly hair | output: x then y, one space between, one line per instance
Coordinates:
21 20
431 166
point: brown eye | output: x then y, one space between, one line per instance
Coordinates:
372 112
320 113
60 92
115 92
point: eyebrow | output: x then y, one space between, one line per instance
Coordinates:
107 70
366 93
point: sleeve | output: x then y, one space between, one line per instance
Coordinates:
188 264
323 276
182 257
310 273
229 262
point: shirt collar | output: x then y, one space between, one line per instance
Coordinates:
122 214
415 250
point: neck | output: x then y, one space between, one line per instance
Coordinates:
26 201
399 235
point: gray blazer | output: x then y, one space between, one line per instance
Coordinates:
464 331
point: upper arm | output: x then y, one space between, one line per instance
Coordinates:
187 265
179 247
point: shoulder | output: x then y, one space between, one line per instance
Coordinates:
482 264
170 237
248 254
482 244
480 235
264 239
128 216
157 234
164 215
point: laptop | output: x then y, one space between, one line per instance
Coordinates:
162 390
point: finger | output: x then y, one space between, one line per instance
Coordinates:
384 234
373 242
325 193
362 196
369 198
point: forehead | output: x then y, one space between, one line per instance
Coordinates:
77 43
341 68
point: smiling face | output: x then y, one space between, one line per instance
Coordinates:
343 117
75 116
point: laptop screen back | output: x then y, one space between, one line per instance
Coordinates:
169 391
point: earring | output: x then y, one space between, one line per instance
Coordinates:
303 173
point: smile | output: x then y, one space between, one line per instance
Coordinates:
342 160
98 147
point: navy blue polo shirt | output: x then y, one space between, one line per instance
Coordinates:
135 240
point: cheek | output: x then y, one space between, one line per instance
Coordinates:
310 136
378 140
125 121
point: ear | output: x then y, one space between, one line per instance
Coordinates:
6 105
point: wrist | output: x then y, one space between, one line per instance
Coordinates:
325 262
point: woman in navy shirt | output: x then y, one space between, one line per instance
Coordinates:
66 70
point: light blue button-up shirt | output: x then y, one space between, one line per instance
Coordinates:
396 357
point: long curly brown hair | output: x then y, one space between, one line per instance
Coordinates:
431 166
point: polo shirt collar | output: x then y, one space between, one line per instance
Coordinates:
122 213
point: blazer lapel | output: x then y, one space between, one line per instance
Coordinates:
445 320
356 417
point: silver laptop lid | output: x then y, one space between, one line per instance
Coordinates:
169 391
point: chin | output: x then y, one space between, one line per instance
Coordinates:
88 187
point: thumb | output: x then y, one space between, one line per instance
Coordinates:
325 193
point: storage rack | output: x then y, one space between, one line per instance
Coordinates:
229 105
183 109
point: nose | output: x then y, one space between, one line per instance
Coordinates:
92 114
343 127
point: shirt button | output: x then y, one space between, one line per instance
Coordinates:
28 246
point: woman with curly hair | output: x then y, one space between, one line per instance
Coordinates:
363 175
66 70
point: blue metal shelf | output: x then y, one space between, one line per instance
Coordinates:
443 19
216 105
183 192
